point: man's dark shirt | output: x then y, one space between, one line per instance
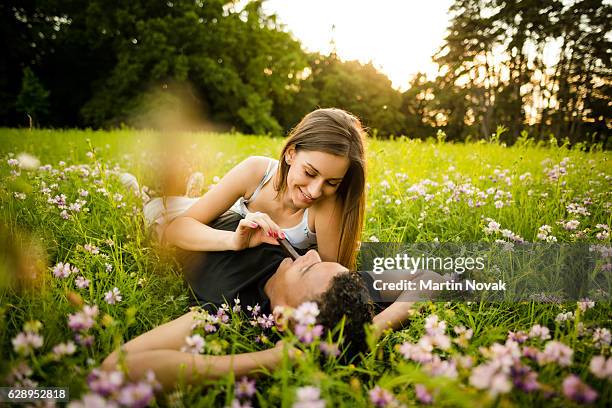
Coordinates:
220 277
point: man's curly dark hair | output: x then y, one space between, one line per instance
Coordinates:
347 297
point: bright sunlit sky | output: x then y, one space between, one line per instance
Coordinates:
398 36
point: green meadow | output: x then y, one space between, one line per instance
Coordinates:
66 204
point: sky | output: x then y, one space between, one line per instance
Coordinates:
398 36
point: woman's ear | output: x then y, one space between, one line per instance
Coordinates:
290 155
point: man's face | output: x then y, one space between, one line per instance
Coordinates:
307 277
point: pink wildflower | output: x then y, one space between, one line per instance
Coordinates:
556 352
578 391
438 367
380 397
113 296
308 333
245 388
420 352
64 349
524 378
26 342
254 309
80 321
194 344
489 376
601 337
92 249
585 304
81 282
601 367
62 270
422 394
306 313
308 397
105 382
137 395
329 349
237 404
540 332
519 336
265 322
91 400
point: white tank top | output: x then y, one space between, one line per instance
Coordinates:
299 235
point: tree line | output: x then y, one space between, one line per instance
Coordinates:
527 67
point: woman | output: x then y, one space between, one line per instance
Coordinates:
314 195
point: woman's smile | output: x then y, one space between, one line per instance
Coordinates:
304 197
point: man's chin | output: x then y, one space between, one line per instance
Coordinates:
284 265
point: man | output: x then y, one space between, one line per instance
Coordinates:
263 276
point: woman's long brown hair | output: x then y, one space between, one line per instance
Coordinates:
339 133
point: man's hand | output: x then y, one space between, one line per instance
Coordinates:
291 351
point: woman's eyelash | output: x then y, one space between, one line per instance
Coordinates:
313 175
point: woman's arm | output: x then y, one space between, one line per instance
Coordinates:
190 232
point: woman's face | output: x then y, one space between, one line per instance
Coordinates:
313 175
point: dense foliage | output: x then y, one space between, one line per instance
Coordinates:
101 63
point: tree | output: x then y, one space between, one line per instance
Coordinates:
33 99
495 51
238 62
358 88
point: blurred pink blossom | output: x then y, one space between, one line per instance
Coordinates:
576 390
308 397
422 394
601 367
556 352
380 397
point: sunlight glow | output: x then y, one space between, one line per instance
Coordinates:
398 36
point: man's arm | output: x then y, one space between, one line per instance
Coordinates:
171 366
392 316
403 305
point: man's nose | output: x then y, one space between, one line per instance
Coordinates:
312 255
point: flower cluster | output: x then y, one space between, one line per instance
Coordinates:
28 340
244 391
110 389
64 270
380 397
113 296
493 227
545 234
308 397
306 328
81 322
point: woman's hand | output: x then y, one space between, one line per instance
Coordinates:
255 229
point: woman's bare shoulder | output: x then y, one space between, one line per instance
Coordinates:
326 213
253 168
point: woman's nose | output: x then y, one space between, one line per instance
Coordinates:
314 189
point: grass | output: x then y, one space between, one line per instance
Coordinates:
419 191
